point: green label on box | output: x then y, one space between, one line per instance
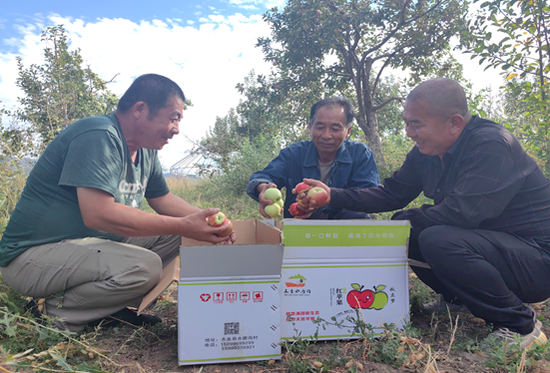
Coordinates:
345 235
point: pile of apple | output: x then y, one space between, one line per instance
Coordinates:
317 195
274 195
217 220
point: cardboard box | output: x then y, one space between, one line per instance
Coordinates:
331 265
229 298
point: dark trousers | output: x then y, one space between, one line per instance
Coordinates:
492 273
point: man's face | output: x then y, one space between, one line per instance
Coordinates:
328 130
432 135
157 131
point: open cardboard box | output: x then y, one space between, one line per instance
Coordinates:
228 296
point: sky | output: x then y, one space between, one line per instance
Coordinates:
206 46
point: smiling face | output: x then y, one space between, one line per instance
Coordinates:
328 131
155 132
432 134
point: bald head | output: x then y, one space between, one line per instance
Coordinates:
442 96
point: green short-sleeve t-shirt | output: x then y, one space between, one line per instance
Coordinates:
89 153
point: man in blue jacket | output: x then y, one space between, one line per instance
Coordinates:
328 157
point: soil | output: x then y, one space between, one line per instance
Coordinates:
154 349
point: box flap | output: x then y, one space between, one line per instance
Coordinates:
267 233
231 260
170 273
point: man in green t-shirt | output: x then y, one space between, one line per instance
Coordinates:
77 236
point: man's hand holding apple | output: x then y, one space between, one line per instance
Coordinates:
261 197
197 227
316 197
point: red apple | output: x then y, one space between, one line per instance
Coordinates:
360 299
302 187
216 220
294 211
228 231
303 203
318 195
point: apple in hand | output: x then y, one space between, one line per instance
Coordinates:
303 202
294 211
302 187
228 231
273 194
273 210
216 220
280 202
318 195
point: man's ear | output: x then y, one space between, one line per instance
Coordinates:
140 109
457 124
349 130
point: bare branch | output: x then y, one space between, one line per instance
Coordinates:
387 101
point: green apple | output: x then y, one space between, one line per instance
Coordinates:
273 210
280 202
380 298
273 194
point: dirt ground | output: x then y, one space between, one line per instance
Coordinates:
132 350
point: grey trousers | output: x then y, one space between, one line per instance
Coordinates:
89 279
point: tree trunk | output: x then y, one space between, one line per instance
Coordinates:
370 128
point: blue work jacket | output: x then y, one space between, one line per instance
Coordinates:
354 166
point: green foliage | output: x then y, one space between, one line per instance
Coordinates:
513 36
61 90
520 45
509 358
264 113
212 192
12 183
346 45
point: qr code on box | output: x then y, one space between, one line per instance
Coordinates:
231 328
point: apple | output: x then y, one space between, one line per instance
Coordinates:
273 194
380 298
228 231
303 203
294 211
280 202
302 187
273 210
318 195
359 298
216 220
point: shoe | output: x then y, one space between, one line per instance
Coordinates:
126 316
439 306
35 308
524 341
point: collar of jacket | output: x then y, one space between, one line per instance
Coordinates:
312 160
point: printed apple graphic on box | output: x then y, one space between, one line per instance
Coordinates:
367 299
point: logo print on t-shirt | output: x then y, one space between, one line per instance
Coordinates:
131 194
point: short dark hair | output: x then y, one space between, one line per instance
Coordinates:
334 101
153 89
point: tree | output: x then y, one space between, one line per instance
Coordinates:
513 35
265 117
348 44
61 90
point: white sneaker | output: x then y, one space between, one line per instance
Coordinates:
524 341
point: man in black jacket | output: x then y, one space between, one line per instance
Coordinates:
486 238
